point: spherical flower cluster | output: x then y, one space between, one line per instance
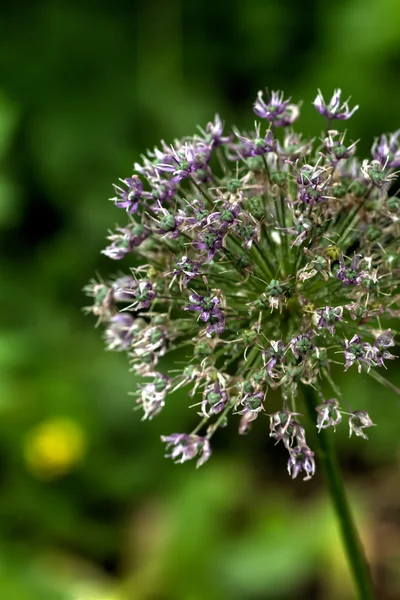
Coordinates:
264 259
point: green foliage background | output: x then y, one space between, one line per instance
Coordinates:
85 87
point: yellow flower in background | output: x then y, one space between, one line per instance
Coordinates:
54 447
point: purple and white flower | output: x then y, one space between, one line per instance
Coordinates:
357 351
334 109
185 447
119 334
386 150
301 458
279 112
328 317
129 198
352 274
329 414
358 421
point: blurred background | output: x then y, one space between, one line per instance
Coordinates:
89 508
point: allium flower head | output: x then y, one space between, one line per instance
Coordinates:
264 259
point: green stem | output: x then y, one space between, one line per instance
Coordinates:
350 538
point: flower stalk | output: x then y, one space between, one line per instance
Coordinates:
352 545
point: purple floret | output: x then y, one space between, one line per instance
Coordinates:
129 198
